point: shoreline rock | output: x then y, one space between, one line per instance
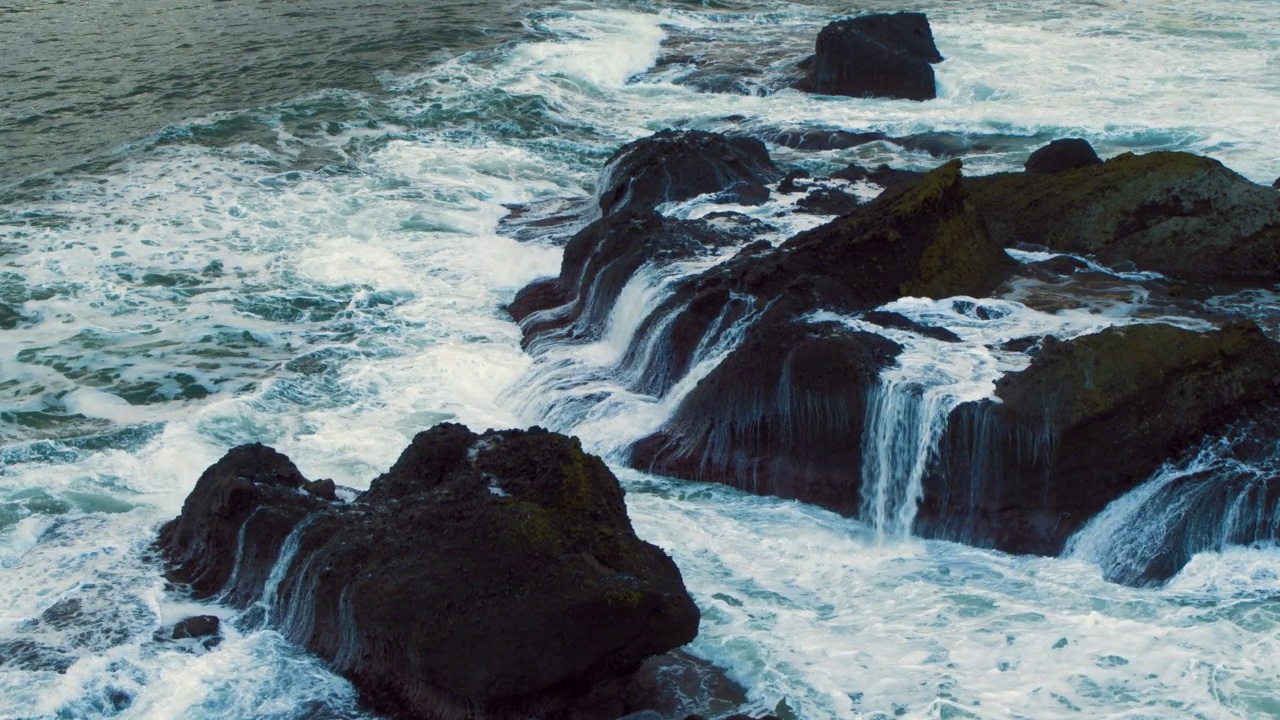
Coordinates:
1089 420
881 55
490 575
1175 213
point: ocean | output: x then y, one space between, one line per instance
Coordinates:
279 222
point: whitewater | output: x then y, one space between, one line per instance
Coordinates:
325 272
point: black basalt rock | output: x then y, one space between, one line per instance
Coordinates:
1062 155
782 414
483 576
672 166
875 56
1089 420
1175 213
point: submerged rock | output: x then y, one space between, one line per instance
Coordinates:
1175 213
875 56
491 575
1089 420
679 165
1062 155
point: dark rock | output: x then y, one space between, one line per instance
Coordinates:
736 228
951 145
788 185
1276 184
1088 421
884 176
782 414
492 575
1021 345
828 201
677 684
643 715
745 194
597 264
672 166
875 56
1175 213
901 322
323 489
1062 155
804 139
200 626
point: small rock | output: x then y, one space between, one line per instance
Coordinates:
745 193
1062 155
200 626
323 489
788 185
828 201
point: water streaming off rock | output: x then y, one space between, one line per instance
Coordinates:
305 252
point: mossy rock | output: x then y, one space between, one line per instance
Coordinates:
1088 421
1175 213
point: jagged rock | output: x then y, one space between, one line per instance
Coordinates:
1088 421
597 264
491 575
875 56
782 414
1175 213
1062 155
678 165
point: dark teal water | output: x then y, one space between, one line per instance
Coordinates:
79 78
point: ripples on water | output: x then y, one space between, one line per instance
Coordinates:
286 232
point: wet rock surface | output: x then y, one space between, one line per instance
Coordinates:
672 165
1179 214
491 575
1088 421
875 56
783 413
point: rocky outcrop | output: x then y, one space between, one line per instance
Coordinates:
875 56
1179 214
598 262
1088 421
483 576
780 416
783 413
678 165
1062 155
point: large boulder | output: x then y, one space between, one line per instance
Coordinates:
1175 213
679 165
783 413
884 55
483 576
1089 420
1062 155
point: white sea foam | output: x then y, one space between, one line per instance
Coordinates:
333 309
